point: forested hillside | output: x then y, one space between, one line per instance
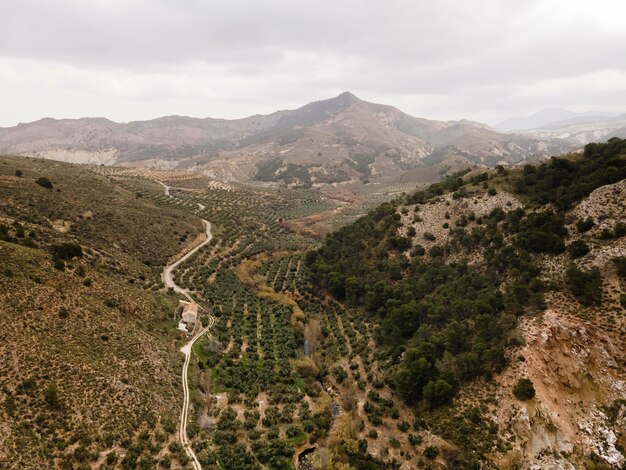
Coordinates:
447 298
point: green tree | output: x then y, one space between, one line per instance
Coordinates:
438 393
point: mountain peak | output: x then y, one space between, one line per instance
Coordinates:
346 98
348 95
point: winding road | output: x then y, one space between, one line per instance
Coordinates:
167 272
186 349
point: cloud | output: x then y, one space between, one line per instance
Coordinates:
136 59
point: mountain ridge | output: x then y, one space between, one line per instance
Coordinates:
334 140
548 117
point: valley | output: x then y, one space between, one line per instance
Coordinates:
384 327
312 235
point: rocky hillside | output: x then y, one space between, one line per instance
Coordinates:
499 300
340 139
89 371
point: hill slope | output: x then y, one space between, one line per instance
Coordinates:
486 279
88 370
339 139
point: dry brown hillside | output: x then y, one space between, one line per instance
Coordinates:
89 368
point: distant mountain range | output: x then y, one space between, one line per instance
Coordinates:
335 140
580 130
550 116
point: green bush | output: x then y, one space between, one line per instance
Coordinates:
584 225
431 452
620 265
52 395
606 234
44 182
524 389
577 249
585 285
67 251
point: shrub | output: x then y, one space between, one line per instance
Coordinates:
418 250
430 452
491 191
293 431
620 264
586 286
18 173
52 395
435 251
584 225
340 374
605 234
67 250
112 458
577 249
524 389
44 182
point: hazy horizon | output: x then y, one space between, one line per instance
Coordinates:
139 60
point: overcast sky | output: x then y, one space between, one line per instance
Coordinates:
448 59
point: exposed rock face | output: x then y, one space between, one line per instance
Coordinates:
575 357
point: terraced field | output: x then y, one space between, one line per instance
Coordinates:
285 369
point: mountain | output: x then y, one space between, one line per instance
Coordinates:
547 117
583 129
334 140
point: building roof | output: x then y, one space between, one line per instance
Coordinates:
190 308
